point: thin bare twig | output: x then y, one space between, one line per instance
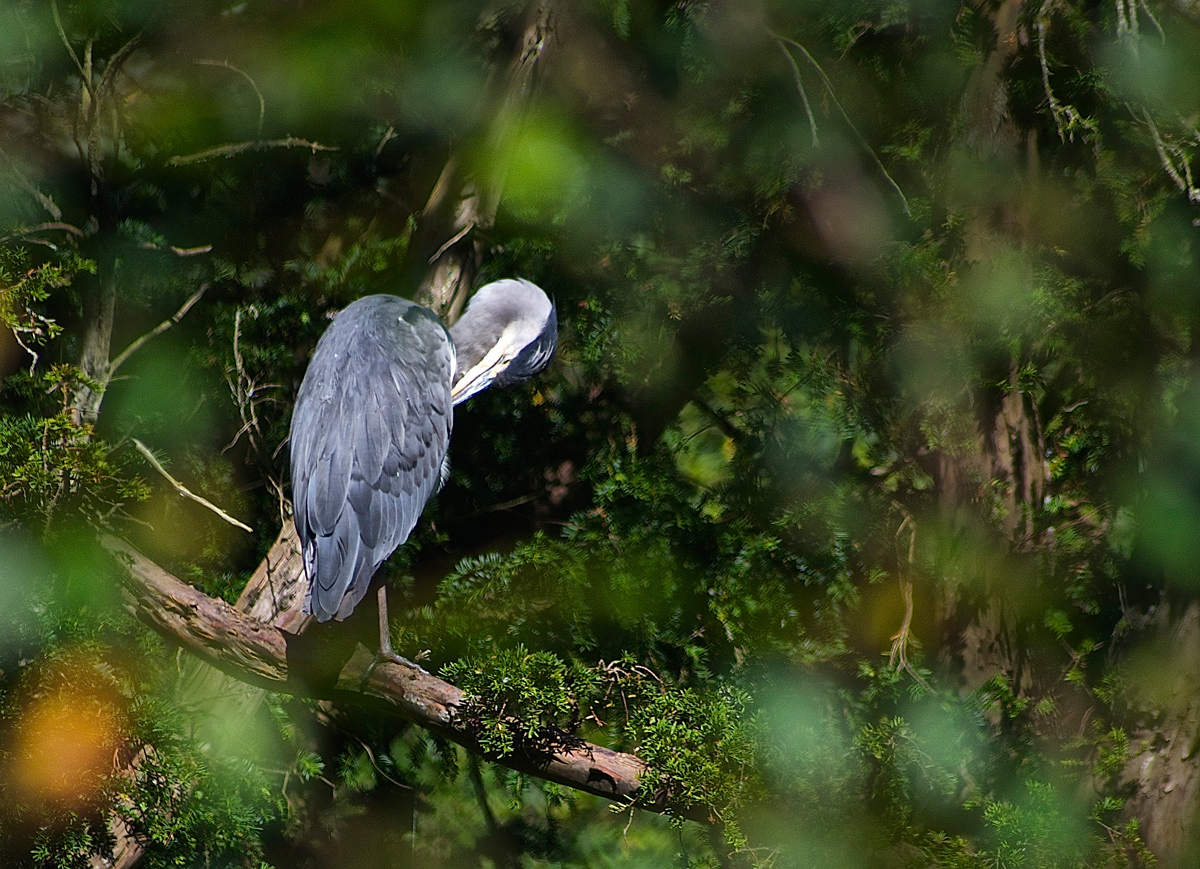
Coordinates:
1181 177
25 184
178 251
1066 119
1162 34
116 63
33 356
846 117
244 389
812 121
239 147
388 135
1127 23
262 103
898 658
137 343
454 239
62 34
184 491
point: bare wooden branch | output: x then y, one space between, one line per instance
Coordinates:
262 103
239 147
210 628
447 283
43 227
256 653
62 34
184 490
812 121
137 343
275 592
845 117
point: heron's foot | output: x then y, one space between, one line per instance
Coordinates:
389 655
392 658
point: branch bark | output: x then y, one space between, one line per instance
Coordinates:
257 653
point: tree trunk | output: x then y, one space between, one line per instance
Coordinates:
978 638
99 312
1162 775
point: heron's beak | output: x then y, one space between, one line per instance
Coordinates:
474 381
480 376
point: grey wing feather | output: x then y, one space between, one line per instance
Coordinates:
369 434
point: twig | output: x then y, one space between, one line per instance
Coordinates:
115 64
184 491
179 251
137 343
262 103
508 505
458 236
25 184
239 147
33 357
243 388
1182 181
1066 129
378 768
726 427
1127 23
1162 34
42 227
857 135
388 135
812 121
898 658
62 34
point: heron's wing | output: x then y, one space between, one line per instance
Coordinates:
369 434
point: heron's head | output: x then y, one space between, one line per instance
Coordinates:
507 334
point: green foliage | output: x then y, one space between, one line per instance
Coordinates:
92 698
194 807
51 465
24 285
355 269
701 750
521 700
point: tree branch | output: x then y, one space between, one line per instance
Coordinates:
783 43
137 343
257 653
184 490
262 103
240 147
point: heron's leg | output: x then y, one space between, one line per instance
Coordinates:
386 653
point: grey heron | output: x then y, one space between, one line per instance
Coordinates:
372 424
